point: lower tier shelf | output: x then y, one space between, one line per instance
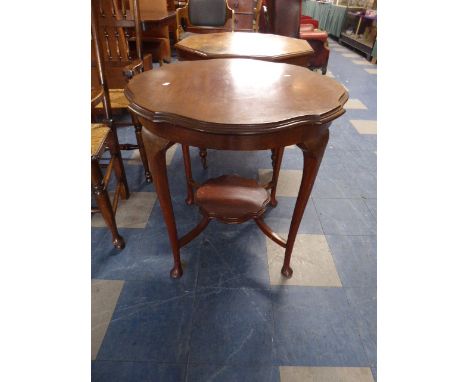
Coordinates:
232 199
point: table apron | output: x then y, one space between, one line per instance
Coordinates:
281 137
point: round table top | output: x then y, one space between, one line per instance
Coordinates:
235 95
245 45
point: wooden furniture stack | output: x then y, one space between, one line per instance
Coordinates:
119 33
103 136
245 14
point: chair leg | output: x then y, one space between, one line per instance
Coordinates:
203 153
104 204
119 170
324 69
141 148
276 159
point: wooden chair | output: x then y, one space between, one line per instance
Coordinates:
103 136
119 33
204 16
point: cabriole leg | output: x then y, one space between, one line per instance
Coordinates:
157 147
313 151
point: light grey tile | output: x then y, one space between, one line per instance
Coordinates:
355 104
364 126
325 374
371 71
289 181
362 62
131 213
104 296
350 55
311 262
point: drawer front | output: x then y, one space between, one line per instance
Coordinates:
243 21
241 5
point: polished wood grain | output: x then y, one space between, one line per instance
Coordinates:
234 104
232 199
266 47
235 96
159 16
260 46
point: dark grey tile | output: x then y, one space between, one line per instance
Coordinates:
355 259
232 327
315 327
345 217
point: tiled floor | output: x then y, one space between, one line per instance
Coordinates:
232 317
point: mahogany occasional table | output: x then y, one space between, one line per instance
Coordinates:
234 104
259 46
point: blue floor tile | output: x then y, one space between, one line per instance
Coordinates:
147 256
214 373
336 181
345 217
151 322
363 301
233 256
232 327
111 371
355 259
372 205
315 327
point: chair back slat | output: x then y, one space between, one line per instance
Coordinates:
97 53
118 24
